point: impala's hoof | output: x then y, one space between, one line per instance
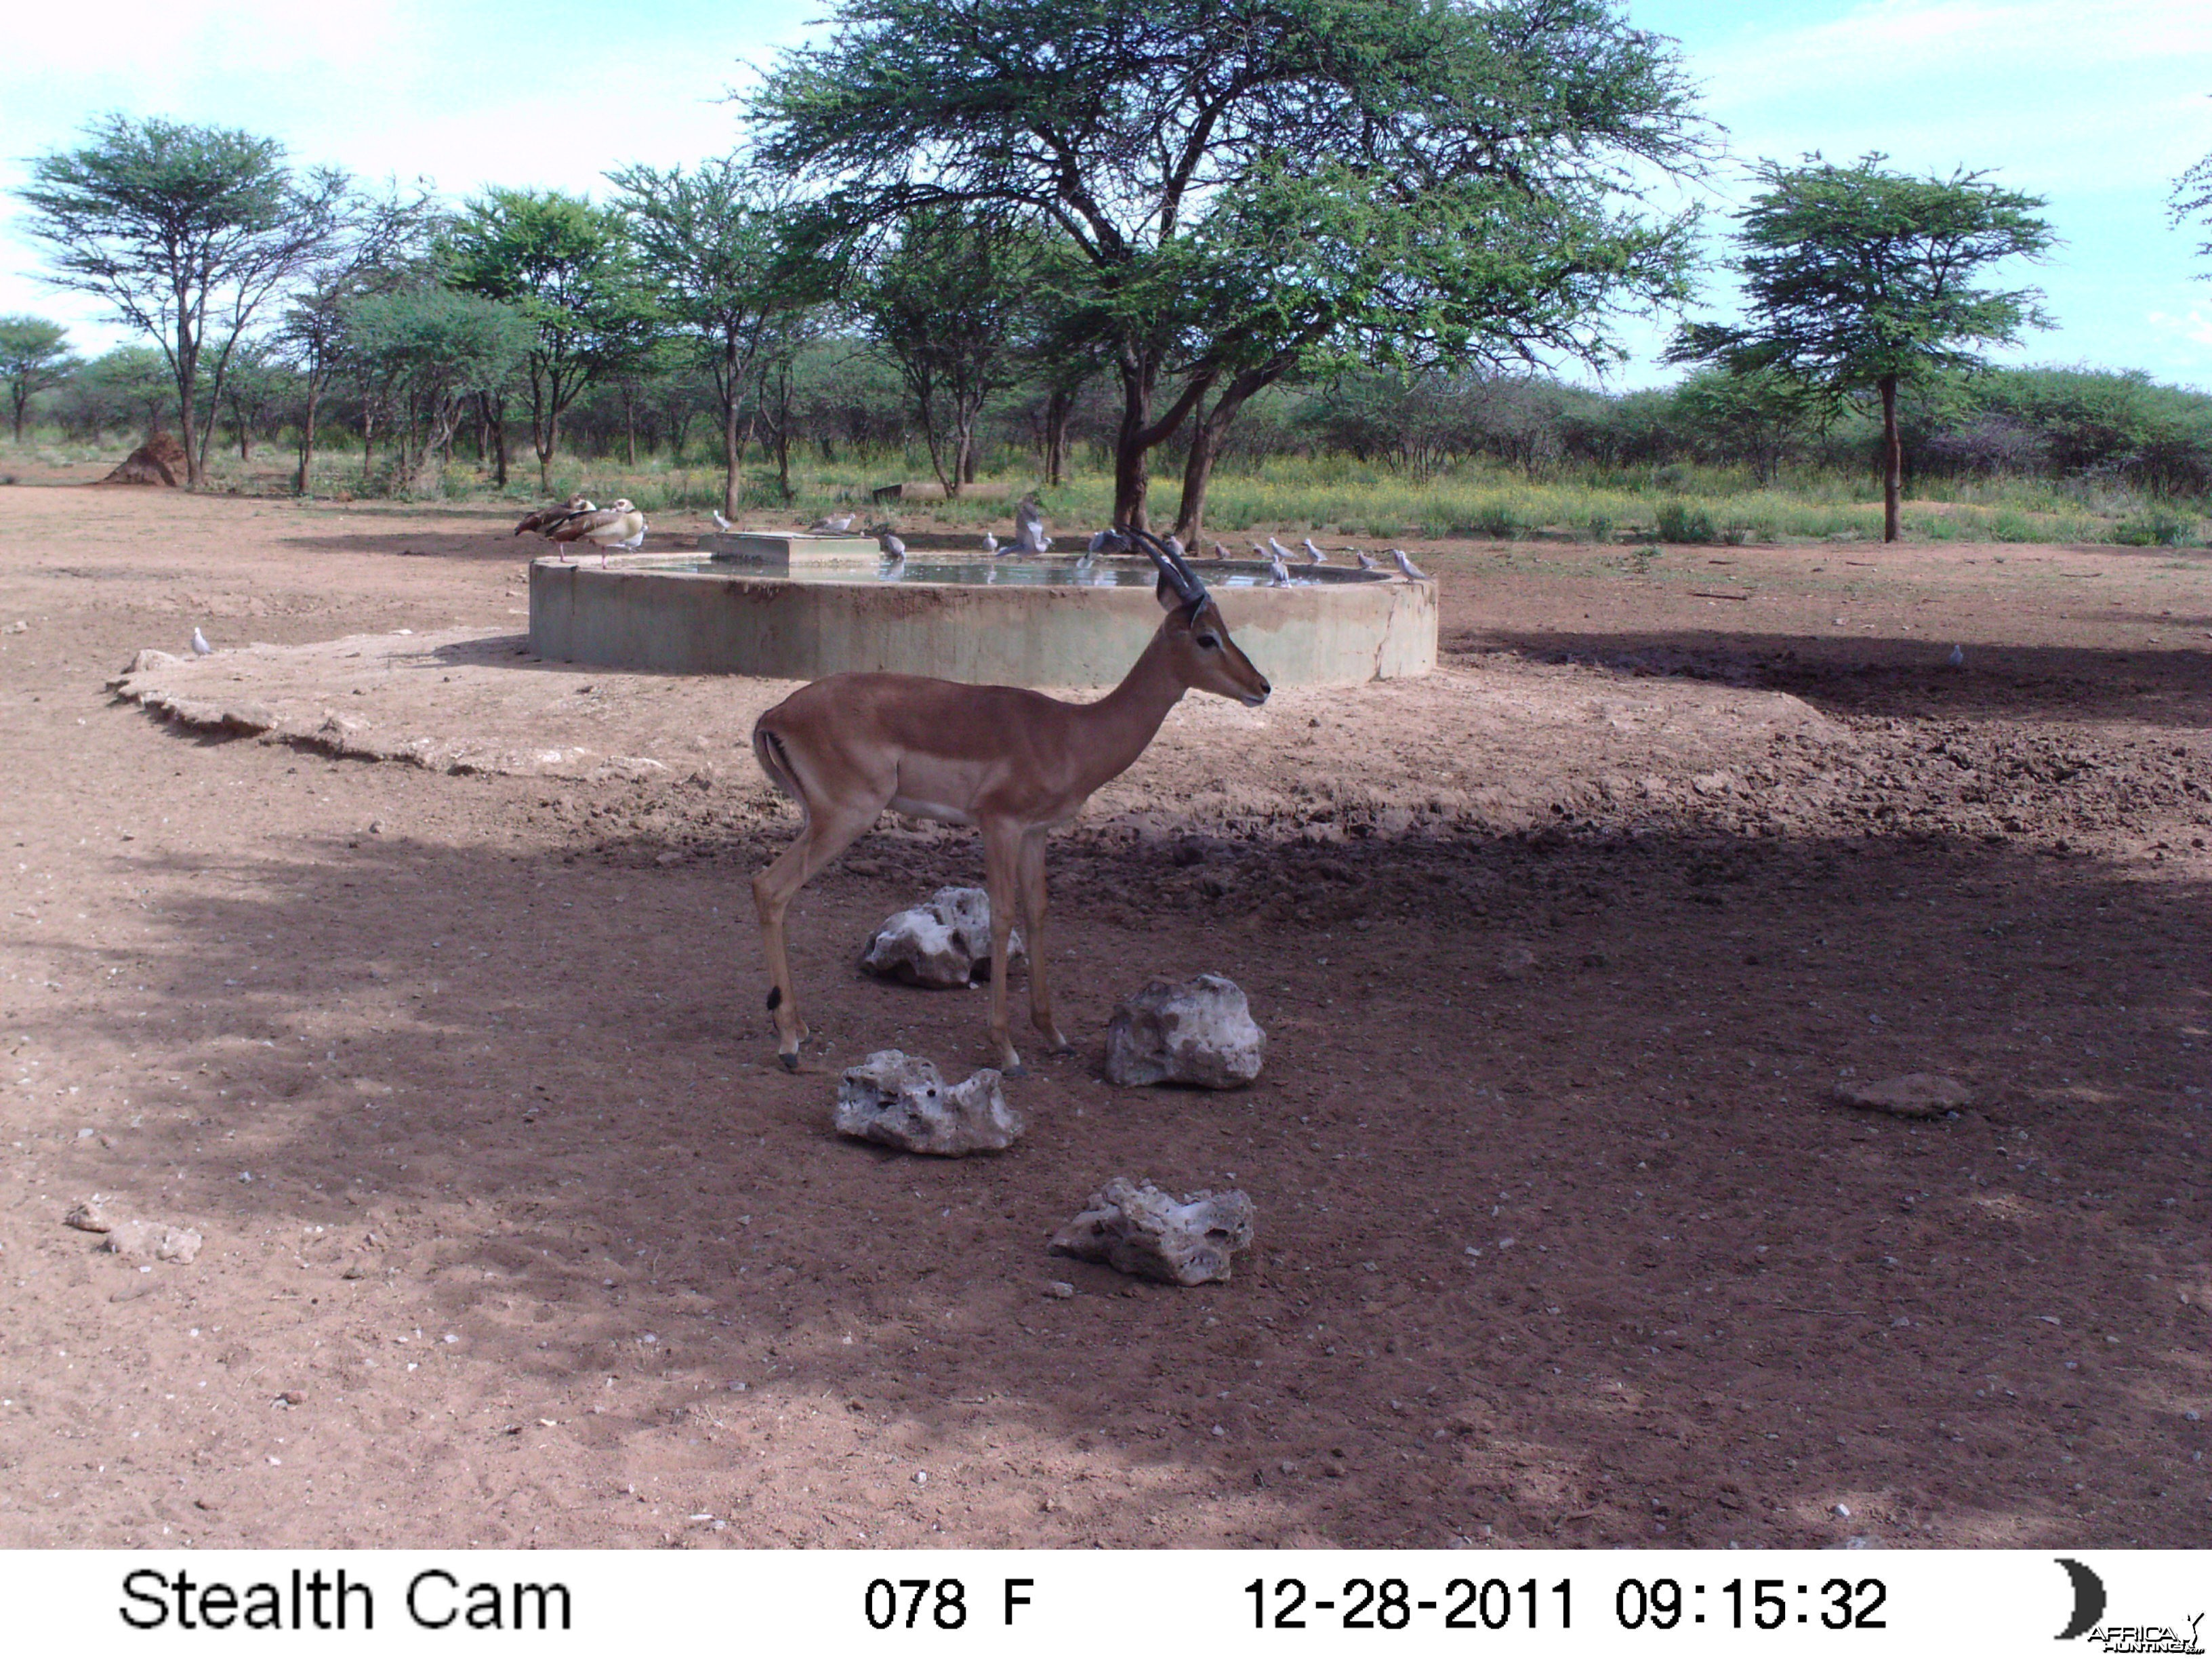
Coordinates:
790 1061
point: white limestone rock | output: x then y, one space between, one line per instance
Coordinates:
152 1241
1141 1232
943 943
900 1100
1200 1032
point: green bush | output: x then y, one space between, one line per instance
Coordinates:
1495 520
2155 525
1678 521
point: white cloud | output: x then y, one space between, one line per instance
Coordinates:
2195 327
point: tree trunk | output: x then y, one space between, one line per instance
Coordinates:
630 429
1058 407
307 439
733 454
1131 478
545 446
1893 459
499 440
22 398
1205 437
367 447
195 452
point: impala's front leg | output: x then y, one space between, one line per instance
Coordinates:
1002 851
1033 906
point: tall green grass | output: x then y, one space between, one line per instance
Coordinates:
1319 495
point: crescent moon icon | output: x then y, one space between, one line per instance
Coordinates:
2088 1599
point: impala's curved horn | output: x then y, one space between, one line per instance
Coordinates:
1180 575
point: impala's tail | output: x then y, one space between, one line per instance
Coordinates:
769 750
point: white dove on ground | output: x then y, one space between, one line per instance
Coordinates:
1282 572
1366 559
828 526
200 646
1220 550
1260 552
990 542
723 524
1406 565
1278 549
1957 659
1174 545
1314 553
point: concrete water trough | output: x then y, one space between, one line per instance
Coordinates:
801 612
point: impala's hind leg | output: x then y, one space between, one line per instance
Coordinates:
1002 852
826 834
1033 909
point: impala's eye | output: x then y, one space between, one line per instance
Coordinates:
1209 643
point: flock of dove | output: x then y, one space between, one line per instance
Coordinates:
621 526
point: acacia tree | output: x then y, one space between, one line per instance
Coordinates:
430 352
187 232
380 245
1185 149
714 241
568 267
1757 413
255 382
1858 278
34 355
947 302
2191 199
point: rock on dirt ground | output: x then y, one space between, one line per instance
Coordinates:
1199 1032
943 944
1141 1231
499 1073
901 1100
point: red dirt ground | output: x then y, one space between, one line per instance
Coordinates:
549 1252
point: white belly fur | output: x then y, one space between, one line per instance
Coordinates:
935 811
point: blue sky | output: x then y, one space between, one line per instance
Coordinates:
2095 104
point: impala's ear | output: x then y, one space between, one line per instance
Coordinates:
1164 591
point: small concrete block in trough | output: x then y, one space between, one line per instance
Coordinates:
1916 1094
1142 1231
900 1100
1200 1032
943 943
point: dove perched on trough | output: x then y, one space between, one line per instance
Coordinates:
1406 567
200 646
1314 555
723 524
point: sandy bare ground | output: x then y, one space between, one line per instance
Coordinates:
454 1054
